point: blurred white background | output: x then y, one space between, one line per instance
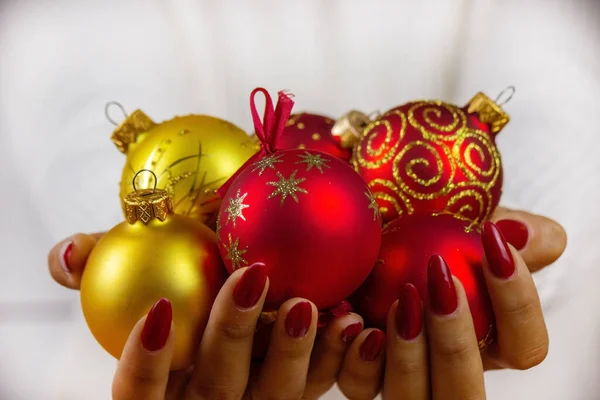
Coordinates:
61 61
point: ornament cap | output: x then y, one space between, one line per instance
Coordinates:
488 111
147 204
350 127
128 131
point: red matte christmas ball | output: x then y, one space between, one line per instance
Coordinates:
407 245
431 157
307 215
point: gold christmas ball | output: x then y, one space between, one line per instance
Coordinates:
154 254
192 156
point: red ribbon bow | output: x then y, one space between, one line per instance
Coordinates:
268 130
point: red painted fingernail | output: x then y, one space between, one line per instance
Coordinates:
351 332
515 232
65 256
497 252
297 322
372 347
250 286
157 326
409 315
442 293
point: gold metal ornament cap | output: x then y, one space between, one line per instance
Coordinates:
127 132
489 112
350 128
147 204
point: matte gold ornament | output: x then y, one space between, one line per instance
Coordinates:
192 156
154 254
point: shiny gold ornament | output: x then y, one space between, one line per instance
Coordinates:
192 156
350 127
154 254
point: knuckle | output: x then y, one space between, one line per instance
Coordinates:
529 358
235 331
521 309
409 367
291 351
457 349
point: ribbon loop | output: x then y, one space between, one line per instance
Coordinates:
268 130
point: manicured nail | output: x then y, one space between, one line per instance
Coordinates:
65 256
442 293
250 286
372 347
157 326
497 252
515 232
297 322
351 332
409 315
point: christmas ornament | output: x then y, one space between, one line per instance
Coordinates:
305 214
154 254
407 245
317 132
192 156
431 156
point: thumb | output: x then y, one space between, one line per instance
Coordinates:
540 240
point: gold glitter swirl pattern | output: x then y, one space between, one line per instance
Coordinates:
431 112
440 157
470 201
389 144
399 208
475 141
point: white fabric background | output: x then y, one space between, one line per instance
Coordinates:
61 61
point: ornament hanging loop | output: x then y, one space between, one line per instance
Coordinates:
505 96
139 172
107 114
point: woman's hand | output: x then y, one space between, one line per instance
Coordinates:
223 364
291 369
432 351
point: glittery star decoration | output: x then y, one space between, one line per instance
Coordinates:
218 230
235 254
313 160
373 205
267 162
235 208
287 187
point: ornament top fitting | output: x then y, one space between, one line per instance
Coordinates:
490 111
128 131
350 128
147 204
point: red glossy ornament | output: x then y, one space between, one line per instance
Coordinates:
430 156
312 132
407 245
307 215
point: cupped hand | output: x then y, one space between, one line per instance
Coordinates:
432 351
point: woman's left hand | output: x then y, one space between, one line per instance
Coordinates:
431 352
223 370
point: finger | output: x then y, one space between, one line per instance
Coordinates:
456 368
540 240
223 361
67 259
328 354
521 330
143 370
406 364
284 371
360 377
